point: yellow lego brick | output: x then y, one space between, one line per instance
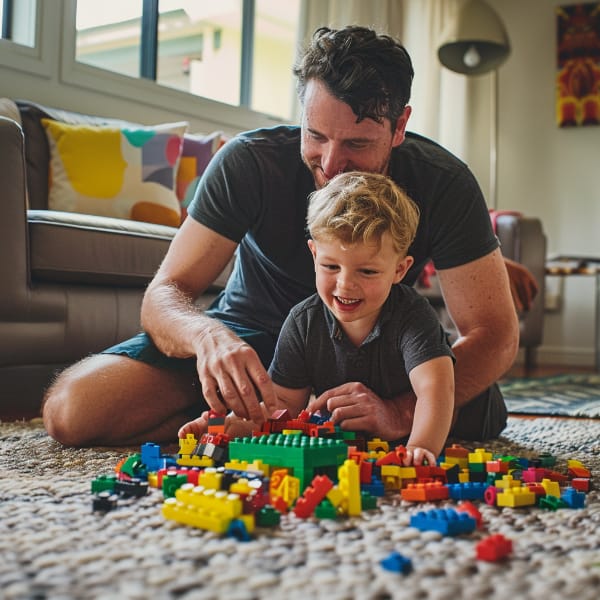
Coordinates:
506 482
335 496
291 431
552 488
349 485
464 476
175 510
217 501
210 479
516 496
249 521
376 445
288 489
187 444
480 455
153 479
463 463
575 464
195 461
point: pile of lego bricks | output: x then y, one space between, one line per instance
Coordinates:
53 547
311 468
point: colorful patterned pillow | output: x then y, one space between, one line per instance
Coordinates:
196 154
127 173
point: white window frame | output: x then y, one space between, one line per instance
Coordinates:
39 58
146 92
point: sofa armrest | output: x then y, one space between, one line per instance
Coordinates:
522 239
15 301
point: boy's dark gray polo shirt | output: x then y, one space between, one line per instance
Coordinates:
313 350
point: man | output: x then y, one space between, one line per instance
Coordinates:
354 86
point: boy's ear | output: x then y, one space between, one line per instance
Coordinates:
402 267
313 248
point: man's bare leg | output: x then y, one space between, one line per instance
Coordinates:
109 399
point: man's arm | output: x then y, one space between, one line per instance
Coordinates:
229 370
478 298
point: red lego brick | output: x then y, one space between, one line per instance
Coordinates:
494 548
472 510
581 484
313 495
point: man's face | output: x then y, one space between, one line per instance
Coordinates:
333 142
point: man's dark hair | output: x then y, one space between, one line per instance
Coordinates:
370 72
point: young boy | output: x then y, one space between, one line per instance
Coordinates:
360 326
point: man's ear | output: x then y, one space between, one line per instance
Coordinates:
400 130
402 267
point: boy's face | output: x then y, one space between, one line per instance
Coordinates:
355 280
333 142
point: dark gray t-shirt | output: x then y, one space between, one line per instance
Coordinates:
314 351
255 192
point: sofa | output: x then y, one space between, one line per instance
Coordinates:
73 282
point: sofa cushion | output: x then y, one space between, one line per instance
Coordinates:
109 252
126 172
89 249
196 154
37 154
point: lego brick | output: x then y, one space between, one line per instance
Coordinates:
470 490
423 492
516 496
396 563
447 521
494 548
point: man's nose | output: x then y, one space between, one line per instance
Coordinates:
333 161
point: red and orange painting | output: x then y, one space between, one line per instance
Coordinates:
578 65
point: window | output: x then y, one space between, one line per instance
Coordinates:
18 21
238 52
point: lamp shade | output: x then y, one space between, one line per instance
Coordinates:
475 42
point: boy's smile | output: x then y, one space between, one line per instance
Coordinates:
354 280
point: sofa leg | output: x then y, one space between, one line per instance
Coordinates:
529 359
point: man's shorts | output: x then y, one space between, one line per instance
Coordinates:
483 418
142 348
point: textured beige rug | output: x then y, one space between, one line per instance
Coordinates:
53 546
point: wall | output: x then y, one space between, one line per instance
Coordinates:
549 172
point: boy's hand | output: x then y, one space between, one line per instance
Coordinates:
354 407
417 456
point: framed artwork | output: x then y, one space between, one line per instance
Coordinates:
578 65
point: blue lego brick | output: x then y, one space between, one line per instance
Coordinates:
471 490
573 498
445 520
397 563
153 459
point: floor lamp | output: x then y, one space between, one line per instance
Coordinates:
475 42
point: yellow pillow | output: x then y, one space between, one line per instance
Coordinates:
127 173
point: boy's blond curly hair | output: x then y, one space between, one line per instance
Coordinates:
358 206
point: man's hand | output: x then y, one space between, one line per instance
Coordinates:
232 375
355 407
234 426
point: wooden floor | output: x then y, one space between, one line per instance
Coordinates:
546 370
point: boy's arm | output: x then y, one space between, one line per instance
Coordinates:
433 384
